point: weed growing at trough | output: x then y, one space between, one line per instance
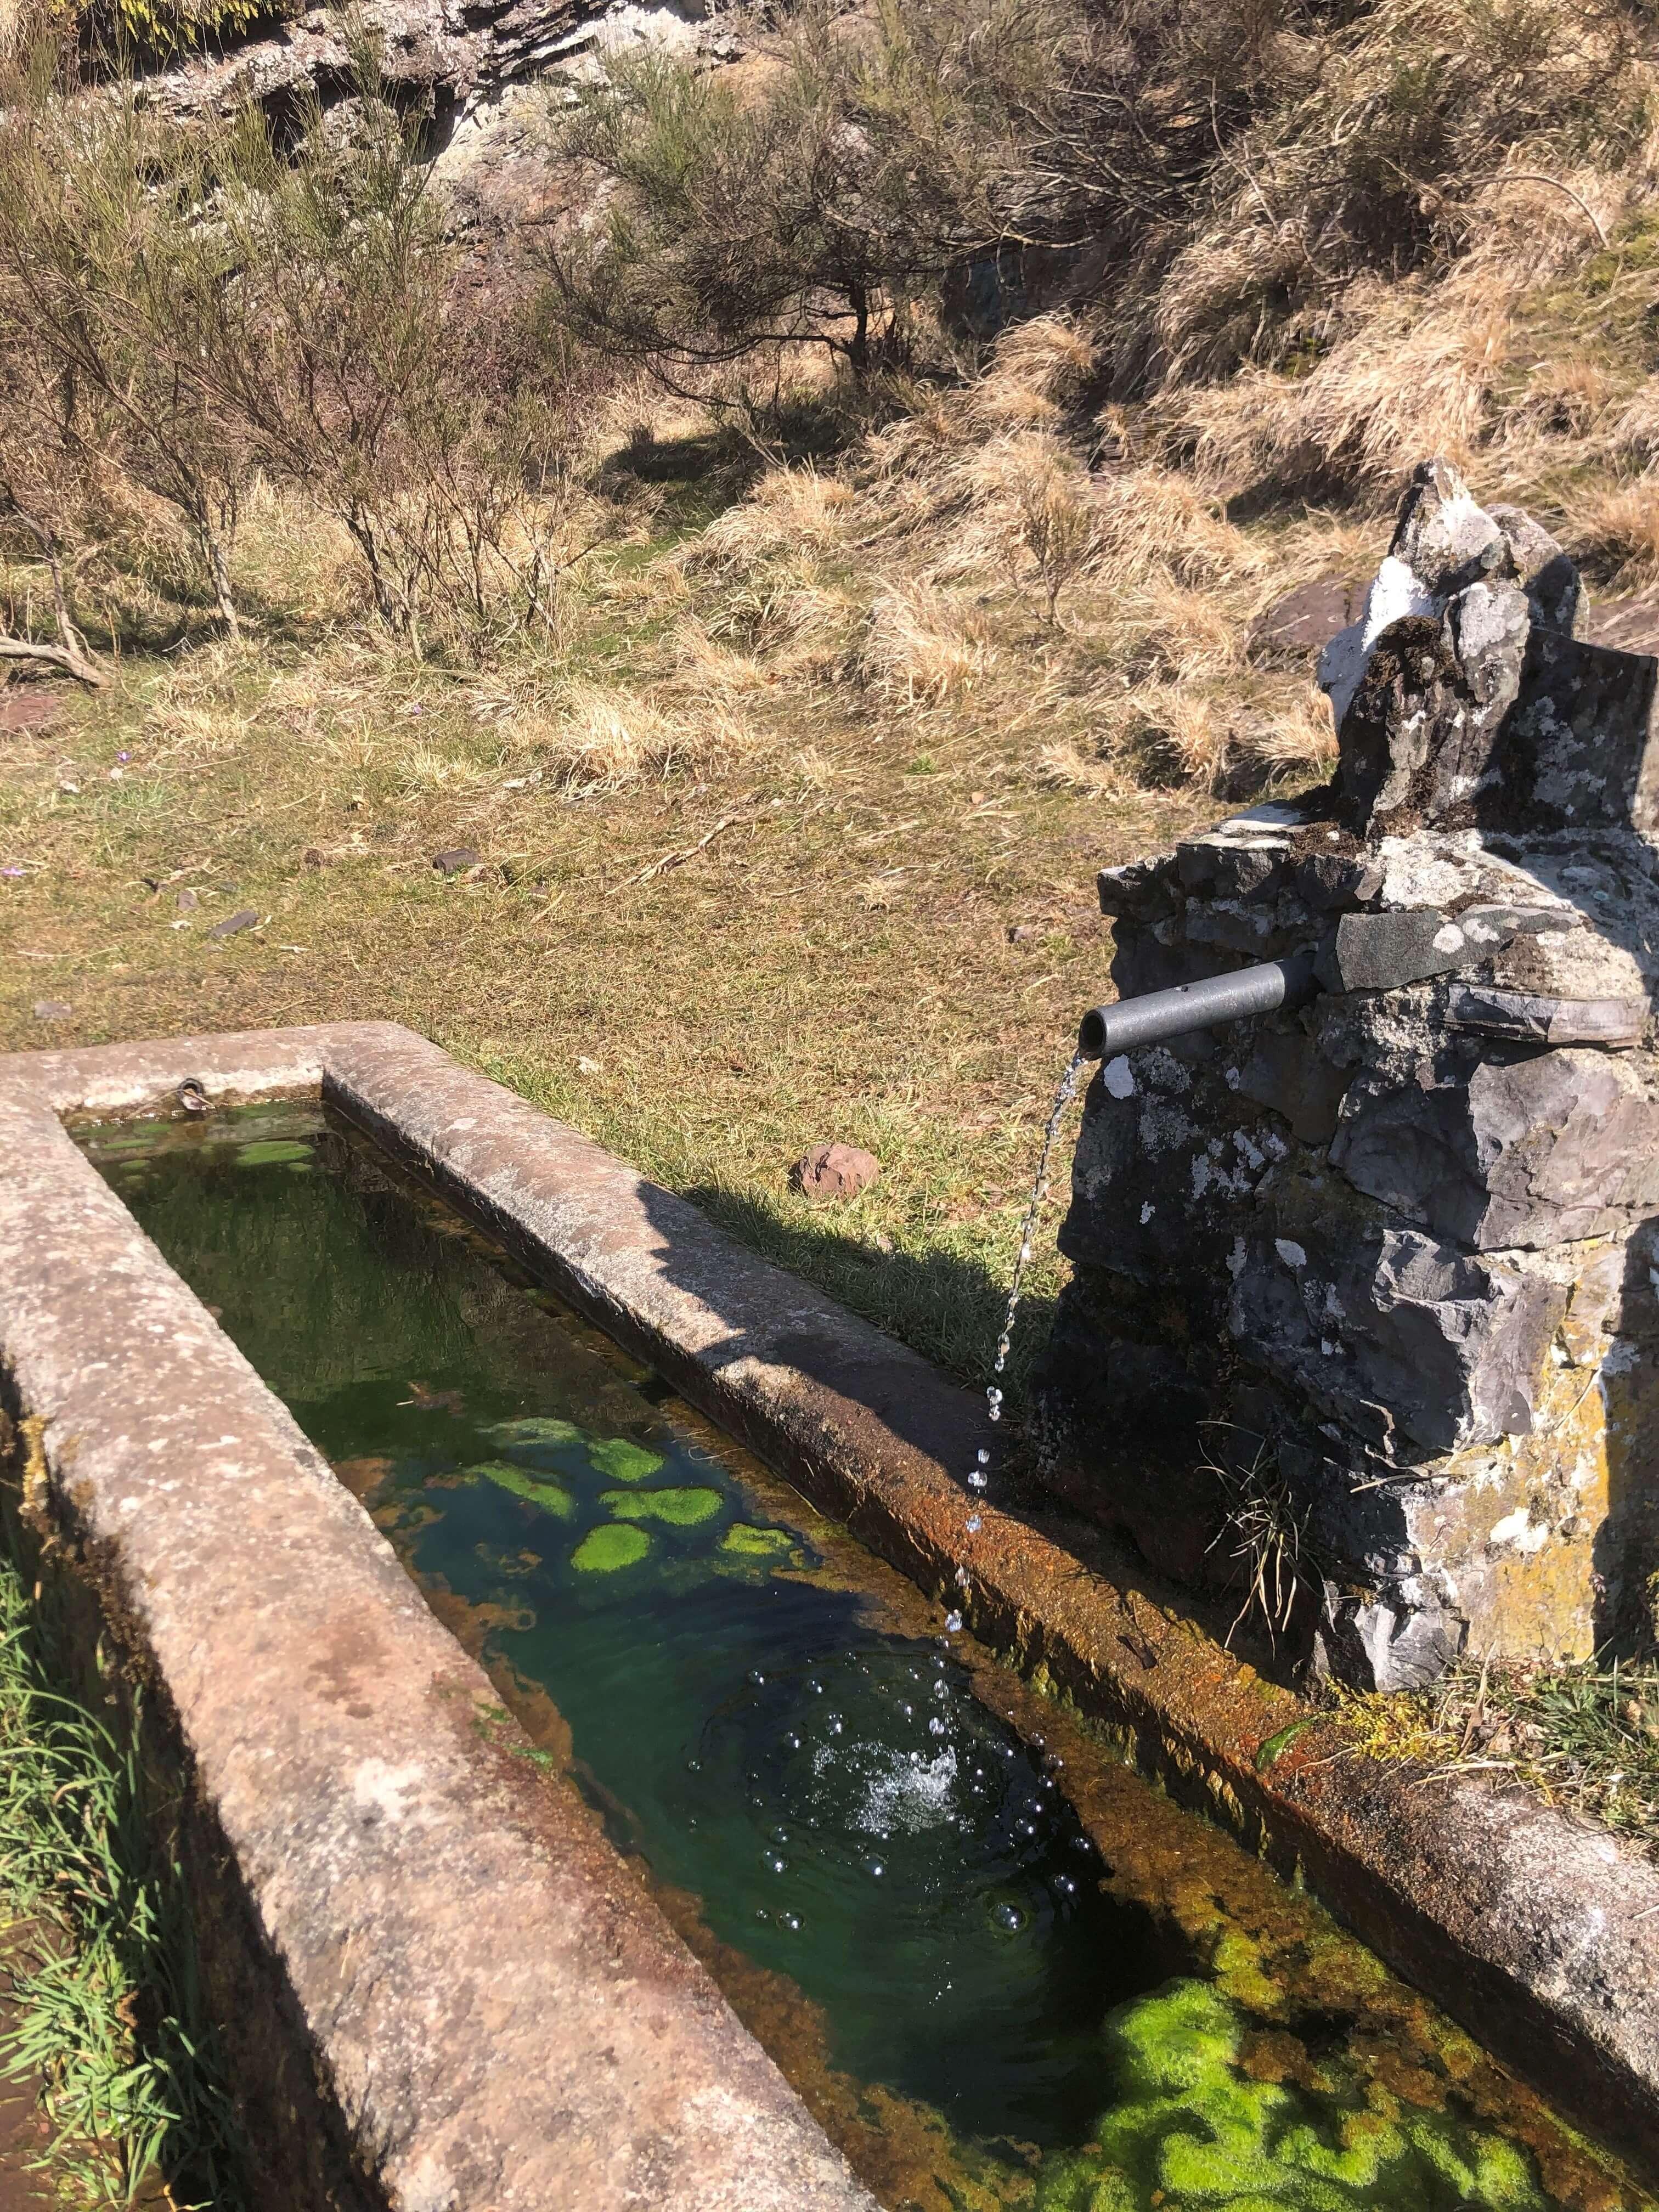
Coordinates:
1585 1736
107 2009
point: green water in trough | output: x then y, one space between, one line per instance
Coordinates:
857 1823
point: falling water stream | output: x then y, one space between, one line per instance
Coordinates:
979 1476
1002 1970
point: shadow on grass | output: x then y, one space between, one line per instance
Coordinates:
945 1306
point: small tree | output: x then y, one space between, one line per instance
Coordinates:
352 343
819 209
105 261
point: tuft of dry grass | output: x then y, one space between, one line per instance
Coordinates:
922 649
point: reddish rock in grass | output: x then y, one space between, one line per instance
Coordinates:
836 1170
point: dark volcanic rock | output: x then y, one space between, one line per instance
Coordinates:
1547 1150
234 924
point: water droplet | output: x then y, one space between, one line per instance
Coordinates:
936 1726
962 1578
1082 1844
1064 1886
983 1456
1039 1743
975 1522
780 1835
908 1711
816 1687
1008 1916
694 1766
792 1742
791 1921
834 1725
876 1867
953 1623
756 1677
775 1862
977 1481
761 1913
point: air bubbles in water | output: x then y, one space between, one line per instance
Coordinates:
876 1867
978 1479
953 1623
1008 1916
974 1524
792 1741
775 1862
791 1921
757 1678
1064 1885
694 1766
963 1577
936 1726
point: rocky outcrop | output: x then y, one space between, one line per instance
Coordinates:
1379 1267
484 67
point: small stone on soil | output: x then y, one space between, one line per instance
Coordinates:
834 1171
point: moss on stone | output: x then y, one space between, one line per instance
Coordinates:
540 1489
683 1509
619 1461
274 1152
603 1550
1187 2126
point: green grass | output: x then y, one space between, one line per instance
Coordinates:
105 2007
1584 1736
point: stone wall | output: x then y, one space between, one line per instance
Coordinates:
1377 1279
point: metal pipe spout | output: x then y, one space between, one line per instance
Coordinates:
1155 1016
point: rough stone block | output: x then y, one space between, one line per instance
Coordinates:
1526 1152
1416 1347
1579 749
1526 1017
1286 1073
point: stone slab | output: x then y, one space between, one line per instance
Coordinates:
1541 1935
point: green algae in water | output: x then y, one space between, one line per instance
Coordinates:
551 1497
274 1152
603 1550
1190 2129
619 1461
536 1429
749 1543
681 1509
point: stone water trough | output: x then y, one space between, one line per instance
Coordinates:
440 1986
1384 1266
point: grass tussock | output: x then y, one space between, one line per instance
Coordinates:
1586 1736
106 2010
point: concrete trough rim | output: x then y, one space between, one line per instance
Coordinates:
1537 1932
